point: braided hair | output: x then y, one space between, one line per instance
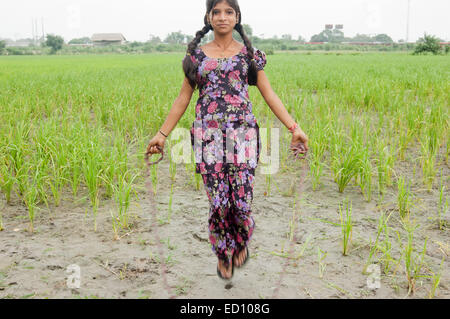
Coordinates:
190 68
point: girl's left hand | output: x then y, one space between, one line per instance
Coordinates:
300 136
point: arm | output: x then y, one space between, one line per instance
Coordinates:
176 112
178 108
278 108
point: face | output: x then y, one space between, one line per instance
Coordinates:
223 18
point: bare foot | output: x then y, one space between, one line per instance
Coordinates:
240 257
226 272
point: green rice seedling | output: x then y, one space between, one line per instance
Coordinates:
75 168
404 201
436 280
316 166
58 179
321 257
92 173
383 166
30 198
172 169
7 179
122 196
428 161
17 155
386 250
413 262
404 139
346 225
382 225
443 205
115 221
365 175
345 165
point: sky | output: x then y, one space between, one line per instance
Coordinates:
137 20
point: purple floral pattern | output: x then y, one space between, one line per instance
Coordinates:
230 222
224 112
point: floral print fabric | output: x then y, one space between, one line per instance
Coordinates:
230 222
225 134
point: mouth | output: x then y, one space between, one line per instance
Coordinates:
223 25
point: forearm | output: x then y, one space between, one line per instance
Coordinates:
280 111
176 112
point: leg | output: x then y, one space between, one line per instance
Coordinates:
220 233
242 184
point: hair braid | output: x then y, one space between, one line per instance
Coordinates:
252 70
189 67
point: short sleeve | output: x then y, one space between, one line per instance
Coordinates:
260 58
193 57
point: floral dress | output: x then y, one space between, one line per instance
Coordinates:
224 114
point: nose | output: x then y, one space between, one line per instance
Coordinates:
222 16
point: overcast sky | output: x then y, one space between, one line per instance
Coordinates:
138 19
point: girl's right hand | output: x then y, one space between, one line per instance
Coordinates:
152 147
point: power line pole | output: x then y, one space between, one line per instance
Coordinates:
42 21
407 22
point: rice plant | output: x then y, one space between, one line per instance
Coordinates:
365 174
92 174
428 161
442 205
414 262
346 225
382 228
30 197
122 196
321 257
404 197
436 280
7 179
345 165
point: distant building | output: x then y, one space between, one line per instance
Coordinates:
19 43
102 39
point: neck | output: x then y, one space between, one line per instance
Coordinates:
223 40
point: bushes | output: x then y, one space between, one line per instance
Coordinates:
427 44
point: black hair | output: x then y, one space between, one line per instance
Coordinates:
190 68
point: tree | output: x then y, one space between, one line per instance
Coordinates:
362 38
55 42
84 40
384 38
301 39
428 43
324 36
154 39
2 46
175 38
248 30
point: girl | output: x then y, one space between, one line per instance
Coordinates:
222 70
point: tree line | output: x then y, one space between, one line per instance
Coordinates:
329 39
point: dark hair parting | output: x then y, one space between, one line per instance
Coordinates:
190 68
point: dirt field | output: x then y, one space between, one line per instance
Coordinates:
34 266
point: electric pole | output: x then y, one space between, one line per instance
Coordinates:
407 22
